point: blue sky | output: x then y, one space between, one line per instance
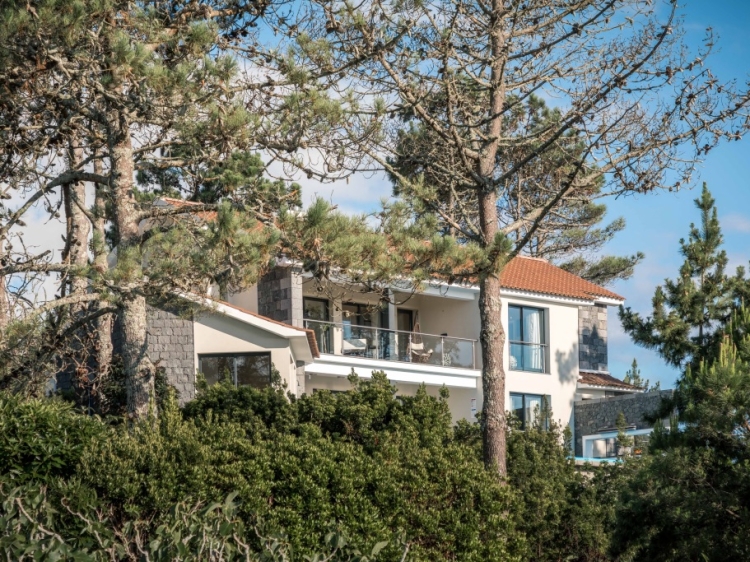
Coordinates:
656 222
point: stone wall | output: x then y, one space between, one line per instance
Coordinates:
592 416
171 344
280 296
592 337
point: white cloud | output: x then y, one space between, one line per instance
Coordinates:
362 193
736 223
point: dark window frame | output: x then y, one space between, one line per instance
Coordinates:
542 337
327 304
545 401
267 354
364 313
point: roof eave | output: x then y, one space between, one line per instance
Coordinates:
588 386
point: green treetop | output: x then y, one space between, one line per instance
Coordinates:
633 376
688 310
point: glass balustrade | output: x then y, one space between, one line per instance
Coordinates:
392 345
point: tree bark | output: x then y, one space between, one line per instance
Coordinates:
103 323
78 229
492 341
138 368
492 334
4 300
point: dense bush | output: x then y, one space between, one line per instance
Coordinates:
390 473
387 472
691 498
41 439
31 528
565 514
376 467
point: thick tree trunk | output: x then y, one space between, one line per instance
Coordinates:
492 341
490 307
103 323
138 368
78 230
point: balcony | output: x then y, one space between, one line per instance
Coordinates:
367 342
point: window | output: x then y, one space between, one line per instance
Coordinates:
315 313
244 369
355 314
528 407
526 334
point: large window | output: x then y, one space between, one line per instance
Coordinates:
527 408
243 369
526 334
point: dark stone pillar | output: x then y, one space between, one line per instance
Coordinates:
171 345
280 296
592 337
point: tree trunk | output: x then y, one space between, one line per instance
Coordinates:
4 300
138 368
76 358
492 341
78 230
103 323
492 334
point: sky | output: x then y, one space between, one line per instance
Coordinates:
655 222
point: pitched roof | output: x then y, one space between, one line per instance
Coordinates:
539 276
594 378
311 340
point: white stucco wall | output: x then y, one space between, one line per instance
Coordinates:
247 299
459 317
439 315
590 394
561 380
216 333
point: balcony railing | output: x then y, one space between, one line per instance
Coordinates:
393 345
526 356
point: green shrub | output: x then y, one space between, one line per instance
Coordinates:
365 464
31 529
564 514
42 438
376 467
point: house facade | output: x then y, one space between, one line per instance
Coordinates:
555 323
313 335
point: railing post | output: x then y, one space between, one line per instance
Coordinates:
408 350
442 351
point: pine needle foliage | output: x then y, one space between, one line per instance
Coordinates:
690 311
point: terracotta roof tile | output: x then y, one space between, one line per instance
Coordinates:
539 276
602 379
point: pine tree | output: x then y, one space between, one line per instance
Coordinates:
690 500
568 237
486 60
151 92
688 311
633 377
624 441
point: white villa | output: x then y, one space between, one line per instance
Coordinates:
556 326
